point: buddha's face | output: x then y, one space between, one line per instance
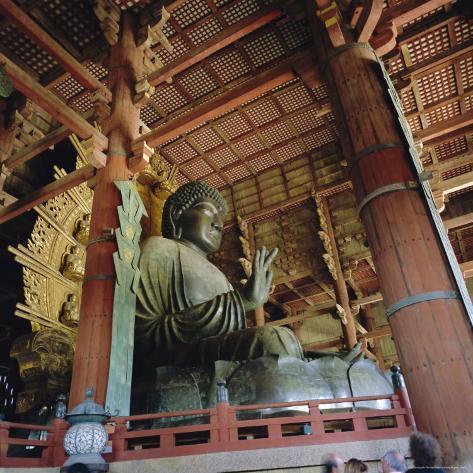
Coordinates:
201 225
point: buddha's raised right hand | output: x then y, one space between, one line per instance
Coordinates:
256 291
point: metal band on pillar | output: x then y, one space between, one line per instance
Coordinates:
397 186
98 277
371 150
422 297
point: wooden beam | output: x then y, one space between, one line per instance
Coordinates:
313 312
51 103
249 90
216 43
47 192
457 222
17 16
444 127
33 149
410 10
336 342
467 269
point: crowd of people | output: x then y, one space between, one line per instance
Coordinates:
424 450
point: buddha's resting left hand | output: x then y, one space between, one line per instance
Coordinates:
256 291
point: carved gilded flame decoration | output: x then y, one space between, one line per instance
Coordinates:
154 185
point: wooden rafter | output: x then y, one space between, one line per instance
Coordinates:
224 102
444 127
49 191
17 16
216 43
410 10
51 103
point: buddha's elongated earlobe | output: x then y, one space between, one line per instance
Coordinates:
174 215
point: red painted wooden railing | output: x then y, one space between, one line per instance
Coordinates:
222 429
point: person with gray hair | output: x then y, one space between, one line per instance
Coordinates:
331 463
393 462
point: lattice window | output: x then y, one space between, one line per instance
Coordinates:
73 18
221 3
180 152
262 162
190 12
451 173
197 169
429 45
289 151
233 126
223 157
443 113
408 101
205 31
463 30
239 10
230 66
451 148
294 99
319 138
306 120
82 103
125 4
181 179
437 86
215 181
179 48
461 191
277 133
198 82
295 33
264 49
68 88
415 123
169 30
206 139
395 64
149 115
14 40
249 145
466 71
265 111
98 71
469 102
238 173
320 92
169 98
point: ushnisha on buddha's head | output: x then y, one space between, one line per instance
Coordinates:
194 215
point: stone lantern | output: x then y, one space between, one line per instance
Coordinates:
87 437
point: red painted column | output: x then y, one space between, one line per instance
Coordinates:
434 338
92 355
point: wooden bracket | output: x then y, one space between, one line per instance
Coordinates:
332 20
108 14
143 92
148 37
100 102
93 153
383 39
140 159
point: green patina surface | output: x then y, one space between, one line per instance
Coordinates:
124 301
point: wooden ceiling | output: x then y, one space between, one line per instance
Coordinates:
239 103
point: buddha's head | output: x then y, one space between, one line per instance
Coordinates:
194 215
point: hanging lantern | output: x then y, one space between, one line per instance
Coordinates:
6 86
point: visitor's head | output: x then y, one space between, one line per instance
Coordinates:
393 462
195 214
332 463
355 466
78 468
425 450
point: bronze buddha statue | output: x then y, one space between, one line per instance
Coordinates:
190 328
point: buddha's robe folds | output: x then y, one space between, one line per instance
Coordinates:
188 313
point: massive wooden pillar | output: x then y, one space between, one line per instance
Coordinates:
431 329
92 355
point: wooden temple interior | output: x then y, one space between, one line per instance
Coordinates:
235 93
